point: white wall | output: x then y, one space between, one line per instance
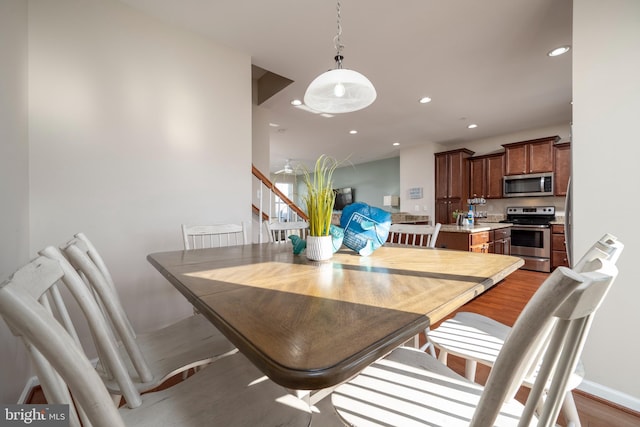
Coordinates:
606 95
14 180
417 170
135 127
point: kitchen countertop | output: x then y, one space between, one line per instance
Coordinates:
477 228
396 218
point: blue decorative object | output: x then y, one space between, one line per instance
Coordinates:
298 244
366 228
337 236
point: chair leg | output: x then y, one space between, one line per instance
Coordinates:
570 411
427 345
470 369
442 357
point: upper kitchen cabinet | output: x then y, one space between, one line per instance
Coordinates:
533 156
486 176
452 183
562 168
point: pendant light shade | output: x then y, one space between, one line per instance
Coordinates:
339 90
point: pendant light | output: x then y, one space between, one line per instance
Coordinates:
339 90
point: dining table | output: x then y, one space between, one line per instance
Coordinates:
311 325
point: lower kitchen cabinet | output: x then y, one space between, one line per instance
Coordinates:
558 247
464 241
500 241
496 240
479 242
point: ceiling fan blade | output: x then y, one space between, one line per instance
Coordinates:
286 170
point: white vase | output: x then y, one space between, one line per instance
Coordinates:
319 248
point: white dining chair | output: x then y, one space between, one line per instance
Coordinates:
479 339
419 235
230 392
414 235
411 388
154 356
279 232
213 236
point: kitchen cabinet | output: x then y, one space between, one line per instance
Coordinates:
486 174
464 241
562 168
479 242
452 183
446 207
483 238
533 156
558 247
500 241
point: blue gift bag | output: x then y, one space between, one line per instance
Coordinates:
366 228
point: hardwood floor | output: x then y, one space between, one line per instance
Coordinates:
504 303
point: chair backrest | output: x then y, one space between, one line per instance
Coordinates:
279 232
414 234
87 246
59 360
607 247
564 304
213 236
82 255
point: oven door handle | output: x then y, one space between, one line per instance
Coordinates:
528 227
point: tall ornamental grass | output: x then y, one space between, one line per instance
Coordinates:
320 197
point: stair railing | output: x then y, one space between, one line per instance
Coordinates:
268 197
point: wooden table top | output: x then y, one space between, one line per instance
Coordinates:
311 325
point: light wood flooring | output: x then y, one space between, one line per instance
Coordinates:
504 303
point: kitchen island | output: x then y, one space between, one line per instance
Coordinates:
490 237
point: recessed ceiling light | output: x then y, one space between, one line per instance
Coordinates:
472 126
559 51
274 125
353 132
296 102
395 144
425 100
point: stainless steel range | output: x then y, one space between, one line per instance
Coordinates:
531 235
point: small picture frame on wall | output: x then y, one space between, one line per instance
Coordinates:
415 193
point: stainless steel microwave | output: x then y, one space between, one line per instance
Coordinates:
534 184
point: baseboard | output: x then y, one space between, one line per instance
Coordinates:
611 395
28 389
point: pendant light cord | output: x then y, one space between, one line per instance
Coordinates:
337 40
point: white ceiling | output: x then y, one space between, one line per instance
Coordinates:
481 61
